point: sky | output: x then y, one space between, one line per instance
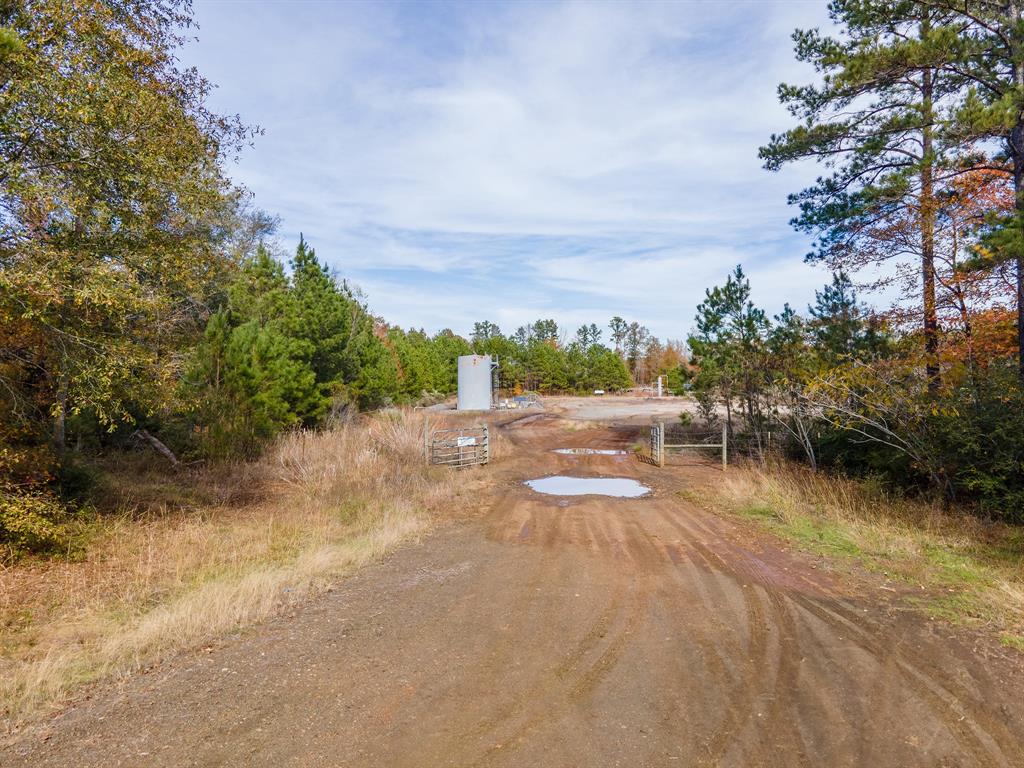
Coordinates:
516 161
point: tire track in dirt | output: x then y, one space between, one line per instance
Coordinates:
777 642
597 650
587 631
944 696
944 704
562 698
775 670
788 656
528 697
746 670
737 674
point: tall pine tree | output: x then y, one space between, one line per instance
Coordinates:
873 122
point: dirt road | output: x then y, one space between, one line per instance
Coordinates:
571 632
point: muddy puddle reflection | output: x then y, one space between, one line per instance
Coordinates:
564 485
590 451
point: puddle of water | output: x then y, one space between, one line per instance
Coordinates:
591 451
563 485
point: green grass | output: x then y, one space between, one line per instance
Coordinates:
816 535
763 512
968 572
1013 641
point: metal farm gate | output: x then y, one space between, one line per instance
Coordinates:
690 440
460 447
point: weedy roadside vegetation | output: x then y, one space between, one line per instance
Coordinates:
970 571
192 556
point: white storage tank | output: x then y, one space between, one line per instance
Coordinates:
475 383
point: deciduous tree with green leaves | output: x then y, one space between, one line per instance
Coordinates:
111 199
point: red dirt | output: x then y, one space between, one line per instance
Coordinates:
571 632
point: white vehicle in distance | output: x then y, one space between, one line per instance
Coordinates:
598 391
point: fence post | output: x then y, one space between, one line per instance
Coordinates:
487 444
426 440
725 437
661 444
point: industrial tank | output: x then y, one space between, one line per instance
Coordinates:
475 383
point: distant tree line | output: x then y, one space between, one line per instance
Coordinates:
539 357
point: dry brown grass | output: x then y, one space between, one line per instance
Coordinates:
194 557
968 570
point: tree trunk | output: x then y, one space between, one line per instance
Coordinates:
755 423
965 320
59 420
728 414
1020 303
956 287
1017 153
931 322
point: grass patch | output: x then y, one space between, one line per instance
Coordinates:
1013 641
191 556
817 535
760 511
971 571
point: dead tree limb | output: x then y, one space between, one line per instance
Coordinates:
157 445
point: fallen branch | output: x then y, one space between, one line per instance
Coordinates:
156 445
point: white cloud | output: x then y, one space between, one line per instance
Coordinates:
595 158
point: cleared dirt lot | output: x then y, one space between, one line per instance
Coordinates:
620 409
591 631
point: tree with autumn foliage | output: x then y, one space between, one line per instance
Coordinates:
874 121
984 59
976 295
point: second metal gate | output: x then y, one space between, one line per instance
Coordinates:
461 447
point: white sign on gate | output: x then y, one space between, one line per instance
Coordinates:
464 442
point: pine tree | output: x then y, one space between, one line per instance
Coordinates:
729 349
251 376
587 335
840 325
606 370
321 317
261 291
873 121
449 346
376 381
548 364
484 330
618 327
270 385
634 347
546 330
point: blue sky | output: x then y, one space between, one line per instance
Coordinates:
469 161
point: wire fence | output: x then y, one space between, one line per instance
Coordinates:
680 438
733 444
